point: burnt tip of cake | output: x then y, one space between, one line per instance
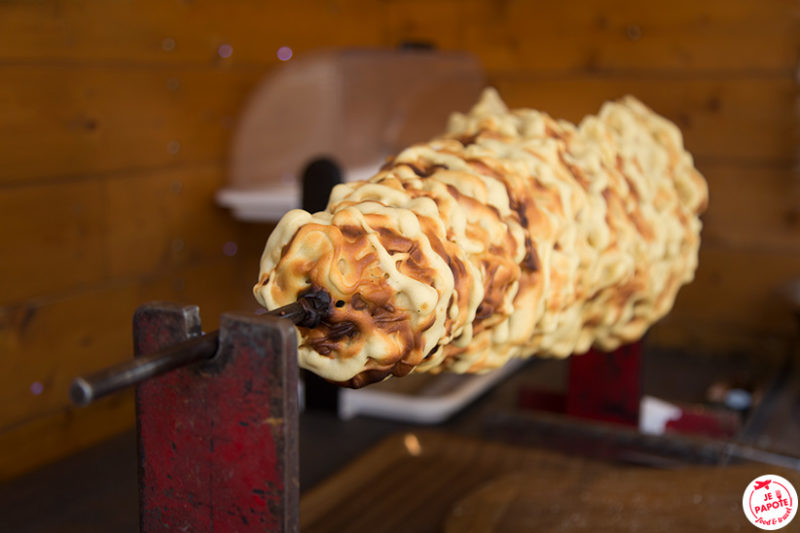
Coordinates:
316 303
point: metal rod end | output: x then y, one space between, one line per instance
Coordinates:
80 392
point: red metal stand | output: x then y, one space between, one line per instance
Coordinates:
606 386
218 443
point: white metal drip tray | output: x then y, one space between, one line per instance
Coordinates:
271 202
421 398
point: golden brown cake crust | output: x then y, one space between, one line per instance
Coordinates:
512 235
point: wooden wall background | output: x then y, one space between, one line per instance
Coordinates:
116 117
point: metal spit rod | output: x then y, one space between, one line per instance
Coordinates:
308 311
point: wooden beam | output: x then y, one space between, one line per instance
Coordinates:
737 119
96 121
628 35
53 237
752 207
740 289
173 32
517 35
60 433
73 121
45 345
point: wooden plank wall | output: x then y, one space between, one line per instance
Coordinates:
116 118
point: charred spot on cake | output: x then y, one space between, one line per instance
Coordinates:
594 296
498 278
393 242
551 132
351 232
416 254
321 346
375 375
365 377
452 191
592 321
458 268
432 351
494 210
402 369
384 314
495 250
531 260
483 312
343 329
316 302
575 170
426 172
520 208
467 140
286 247
414 266
388 164
358 303
438 247
485 169
388 319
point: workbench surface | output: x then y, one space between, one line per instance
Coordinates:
96 490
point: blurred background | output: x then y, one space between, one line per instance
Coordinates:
117 121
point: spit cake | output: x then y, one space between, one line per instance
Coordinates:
512 235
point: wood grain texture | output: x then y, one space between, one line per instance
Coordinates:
713 338
116 119
105 120
52 238
622 35
752 207
740 118
739 286
53 342
173 31
516 35
56 434
616 499
735 302
71 235
71 121
427 481
163 219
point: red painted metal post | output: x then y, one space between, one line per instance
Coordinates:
218 442
606 385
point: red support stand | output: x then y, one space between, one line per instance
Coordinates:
606 386
218 442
